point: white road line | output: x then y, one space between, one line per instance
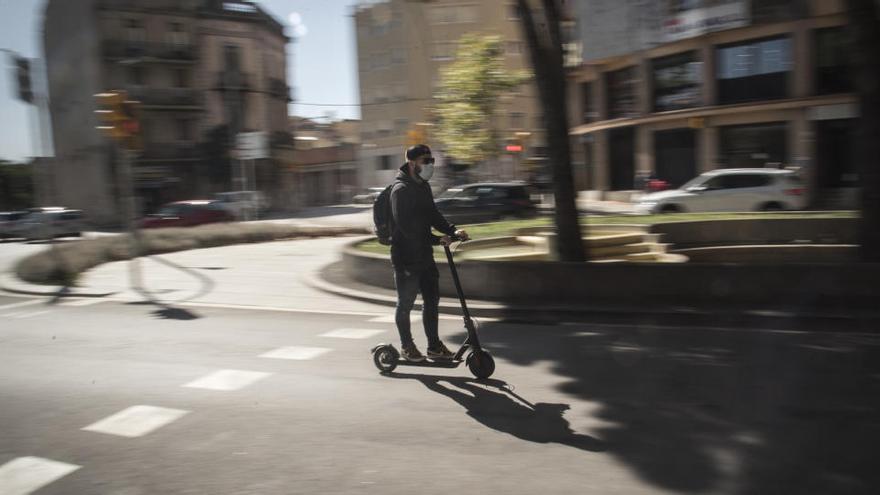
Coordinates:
20 304
227 380
296 353
352 333
31 314
136 421
28 474
390 318
303 311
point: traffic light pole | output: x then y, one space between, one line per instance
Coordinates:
127 200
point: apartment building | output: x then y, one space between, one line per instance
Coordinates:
674 89
402 47
203 70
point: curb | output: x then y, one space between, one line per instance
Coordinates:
11 283
718 318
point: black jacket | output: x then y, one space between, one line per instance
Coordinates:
414 211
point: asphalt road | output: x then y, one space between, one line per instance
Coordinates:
103 396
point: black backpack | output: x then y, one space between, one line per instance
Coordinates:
383 219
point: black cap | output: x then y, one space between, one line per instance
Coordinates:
414 152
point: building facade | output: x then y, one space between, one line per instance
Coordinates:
674 89
203 70
324 169
402 47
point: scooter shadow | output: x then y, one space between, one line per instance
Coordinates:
494 404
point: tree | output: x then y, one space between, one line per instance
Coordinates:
864 29
468 93
544 38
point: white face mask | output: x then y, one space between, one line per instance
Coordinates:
426 172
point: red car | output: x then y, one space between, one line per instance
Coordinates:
187 214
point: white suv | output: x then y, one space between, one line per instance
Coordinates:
730 189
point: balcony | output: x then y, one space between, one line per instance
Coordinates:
167 97
148 50
169 152
279 89
229 80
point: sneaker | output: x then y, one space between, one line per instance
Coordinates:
411 353
440 352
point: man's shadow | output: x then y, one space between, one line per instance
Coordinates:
494 404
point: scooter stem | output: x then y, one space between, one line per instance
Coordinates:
472 339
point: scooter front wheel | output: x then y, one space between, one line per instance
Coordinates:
481 364
385 358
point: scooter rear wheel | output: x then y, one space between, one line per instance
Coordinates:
481 364
385 358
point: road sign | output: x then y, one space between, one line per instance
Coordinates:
252 145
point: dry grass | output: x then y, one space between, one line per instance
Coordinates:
62 264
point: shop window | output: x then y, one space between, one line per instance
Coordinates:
753 71
677 81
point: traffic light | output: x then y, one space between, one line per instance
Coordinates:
120 118
23 74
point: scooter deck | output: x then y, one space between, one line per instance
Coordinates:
431 363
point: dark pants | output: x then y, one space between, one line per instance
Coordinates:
409 283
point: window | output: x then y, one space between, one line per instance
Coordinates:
136 75
183 130
134 30
453 14
517 120
677 82
443 51
764 11
512 12
400 125
514 47
181 78
622 92
384 162
398 56
832 61
176 34
753 145
231 58
756 70
742 181
589 113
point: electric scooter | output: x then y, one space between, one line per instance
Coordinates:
481 364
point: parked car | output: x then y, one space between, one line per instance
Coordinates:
243 204
188 214
8 219
48 222
745 189
368 197
484 202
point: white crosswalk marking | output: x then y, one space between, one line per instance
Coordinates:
227 380
352 333
390 318
28 474
296 353
29 302
31 314
136 421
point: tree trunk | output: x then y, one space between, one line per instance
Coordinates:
864 28
545 50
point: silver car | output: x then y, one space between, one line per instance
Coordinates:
49 222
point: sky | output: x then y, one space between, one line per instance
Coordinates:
322 63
